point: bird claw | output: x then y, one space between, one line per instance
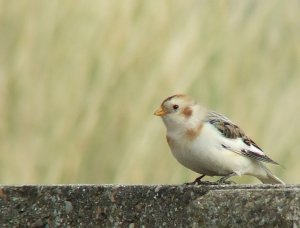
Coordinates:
200 183
225 182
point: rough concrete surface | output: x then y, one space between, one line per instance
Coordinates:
150 206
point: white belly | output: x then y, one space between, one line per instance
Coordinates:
205 154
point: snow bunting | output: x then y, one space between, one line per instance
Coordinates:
211 144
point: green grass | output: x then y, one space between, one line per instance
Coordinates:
79 81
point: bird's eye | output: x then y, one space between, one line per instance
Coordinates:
175 107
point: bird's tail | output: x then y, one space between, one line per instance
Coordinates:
270 178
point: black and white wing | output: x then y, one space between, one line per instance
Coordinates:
235 139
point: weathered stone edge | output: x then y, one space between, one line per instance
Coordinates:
149 205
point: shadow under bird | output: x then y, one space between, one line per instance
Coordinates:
211 144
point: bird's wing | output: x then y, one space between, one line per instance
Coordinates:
235 139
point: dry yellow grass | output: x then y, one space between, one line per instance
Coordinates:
79 81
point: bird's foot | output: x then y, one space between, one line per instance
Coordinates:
198 181
201 183
224 180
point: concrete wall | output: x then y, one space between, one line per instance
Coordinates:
161 205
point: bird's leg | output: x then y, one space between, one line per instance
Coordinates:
223 179
197 180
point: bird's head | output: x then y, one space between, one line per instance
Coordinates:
179 112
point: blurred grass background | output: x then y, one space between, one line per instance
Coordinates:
80 80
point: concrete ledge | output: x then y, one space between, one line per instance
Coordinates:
161 205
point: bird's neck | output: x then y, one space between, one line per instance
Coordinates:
180 127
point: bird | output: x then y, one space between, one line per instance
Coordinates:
210 144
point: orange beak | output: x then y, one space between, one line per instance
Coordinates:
160 112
